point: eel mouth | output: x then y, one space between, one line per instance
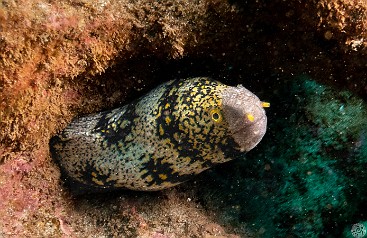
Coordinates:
245 115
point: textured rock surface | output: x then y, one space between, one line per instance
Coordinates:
60 59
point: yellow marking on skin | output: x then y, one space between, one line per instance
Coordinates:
250 117
159 112
167 141
98 182
113 147
109 179
149 178
120 144
197 130
123 124
114 126
162 176
176 136
265 104
187 160
180 127
197 98
167 106
168 120
129 137
161 130
174 169
200 137
206 131
211 102
104 144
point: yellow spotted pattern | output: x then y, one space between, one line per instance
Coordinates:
160 140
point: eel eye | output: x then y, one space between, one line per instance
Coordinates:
216 115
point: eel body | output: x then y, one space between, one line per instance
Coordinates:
164 138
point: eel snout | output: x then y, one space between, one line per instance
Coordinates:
245 115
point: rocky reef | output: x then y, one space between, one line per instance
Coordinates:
63 59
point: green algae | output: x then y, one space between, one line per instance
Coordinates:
325 131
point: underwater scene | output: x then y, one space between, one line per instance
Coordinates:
170 119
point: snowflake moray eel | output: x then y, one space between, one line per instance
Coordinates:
164 138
